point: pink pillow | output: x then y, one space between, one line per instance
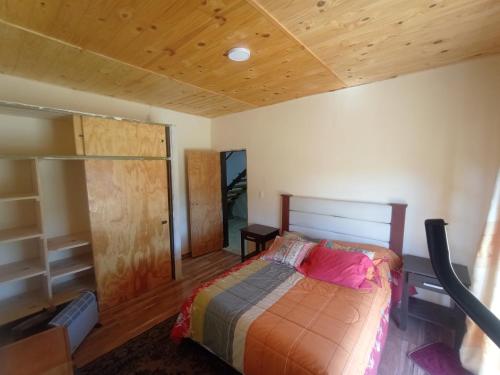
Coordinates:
380 252
337 267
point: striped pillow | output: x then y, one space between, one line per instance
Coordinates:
288 251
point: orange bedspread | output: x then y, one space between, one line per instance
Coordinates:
316 328
263 319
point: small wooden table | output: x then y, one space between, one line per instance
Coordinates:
259 234
418 272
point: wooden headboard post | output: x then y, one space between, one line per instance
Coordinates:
285 212
397 227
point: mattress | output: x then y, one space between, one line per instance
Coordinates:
265 318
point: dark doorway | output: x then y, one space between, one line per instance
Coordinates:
234 197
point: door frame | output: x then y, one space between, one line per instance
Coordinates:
223 186
170 192
223 177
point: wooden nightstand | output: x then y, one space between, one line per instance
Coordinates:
259 234
418 272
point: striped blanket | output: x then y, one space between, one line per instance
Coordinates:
266 318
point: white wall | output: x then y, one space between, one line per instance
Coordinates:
431 139
189 131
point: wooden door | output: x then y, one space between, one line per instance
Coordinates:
128 204
205 205
108 137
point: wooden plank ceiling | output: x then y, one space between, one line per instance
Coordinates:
172 53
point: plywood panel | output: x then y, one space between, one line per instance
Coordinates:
78 135
186 40
30 55
45 353
205 204
172 53
108 137
364 40
129 226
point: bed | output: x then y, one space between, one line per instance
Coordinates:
263 317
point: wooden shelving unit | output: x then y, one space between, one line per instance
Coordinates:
22 305
70 265
19 234
70 241
51 281
21 270
79 267
68 290
25 280
46 202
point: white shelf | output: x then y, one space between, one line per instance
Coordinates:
17 197
68 242
29 302
68 290
20 270
71 265
20 306
19 234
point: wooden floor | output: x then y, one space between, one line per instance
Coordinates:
132 318
135 317
394 358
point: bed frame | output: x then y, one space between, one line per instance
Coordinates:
379 224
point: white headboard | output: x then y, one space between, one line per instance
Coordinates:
372 223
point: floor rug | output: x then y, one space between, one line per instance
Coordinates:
154 353
438 359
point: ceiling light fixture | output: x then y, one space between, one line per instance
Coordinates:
238 54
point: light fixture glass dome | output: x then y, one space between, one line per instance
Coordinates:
238 54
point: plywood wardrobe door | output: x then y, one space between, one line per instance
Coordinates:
107 137
205 201
78 135
128 204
